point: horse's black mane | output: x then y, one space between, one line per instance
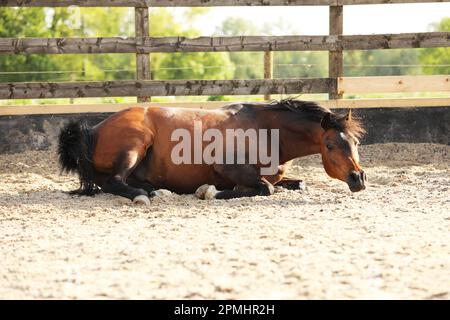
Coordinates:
311 111
305 109
308 109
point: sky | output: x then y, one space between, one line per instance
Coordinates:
313 20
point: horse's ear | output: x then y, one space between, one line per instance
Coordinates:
326 121
348 117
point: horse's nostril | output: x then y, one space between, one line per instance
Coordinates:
363 176
354 176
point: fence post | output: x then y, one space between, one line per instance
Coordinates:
336 57
142 59
268 69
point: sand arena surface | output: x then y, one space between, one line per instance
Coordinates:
389 241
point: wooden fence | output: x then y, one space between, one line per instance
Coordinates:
143 45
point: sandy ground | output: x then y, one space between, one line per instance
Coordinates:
390 241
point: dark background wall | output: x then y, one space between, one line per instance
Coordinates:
414 125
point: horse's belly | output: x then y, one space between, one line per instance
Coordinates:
184 178
162 173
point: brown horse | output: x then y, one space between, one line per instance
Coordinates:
131 153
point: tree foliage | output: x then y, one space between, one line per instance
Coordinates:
249 65
440 57
109 22
32 22
102 22
381 62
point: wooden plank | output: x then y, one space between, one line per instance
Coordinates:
159 3
100 108
196 3
359 2
142 59
388 103
223 44
268 69
394 41
336 57
60 109
46 90
68 45
105 108
387 84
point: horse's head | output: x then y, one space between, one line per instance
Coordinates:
339 149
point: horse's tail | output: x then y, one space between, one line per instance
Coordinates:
75 149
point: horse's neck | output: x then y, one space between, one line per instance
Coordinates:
299 141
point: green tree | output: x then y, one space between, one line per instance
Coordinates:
32 22
106 22
249 65
381 62
201 65
437 56
115 22
103 22
305 64
236 26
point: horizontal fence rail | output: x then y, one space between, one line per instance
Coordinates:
46 90
390 84
377 84
106 108
197 3
222 44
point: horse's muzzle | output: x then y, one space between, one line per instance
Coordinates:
356 181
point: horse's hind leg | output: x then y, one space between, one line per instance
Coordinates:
137 178
116 182
248 183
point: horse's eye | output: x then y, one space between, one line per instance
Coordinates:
329 147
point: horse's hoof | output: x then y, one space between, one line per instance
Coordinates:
206 192
296 185
302 185
160 193
211 192
142 200
200 192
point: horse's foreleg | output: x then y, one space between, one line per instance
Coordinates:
135 183
116 182
291 184
248 183
264 188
